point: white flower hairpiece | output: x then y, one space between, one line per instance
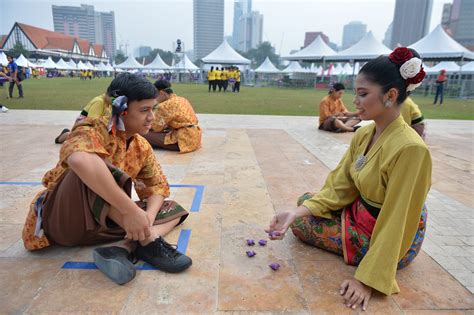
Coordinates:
410 68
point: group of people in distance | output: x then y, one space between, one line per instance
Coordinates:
221 78
370 210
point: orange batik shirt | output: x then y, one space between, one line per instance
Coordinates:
178 114
329 107
91 135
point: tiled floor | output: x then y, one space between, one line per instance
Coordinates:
250 167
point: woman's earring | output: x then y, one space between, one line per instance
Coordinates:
388 103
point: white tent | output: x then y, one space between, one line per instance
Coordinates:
81 66
267 67
224 54
72 64
185 64
130 63
49 64
3 59
468 68
317 50
157 64
449 66
367 48
109 67
438 45
23 62
90 65
63 65
294 67
101 67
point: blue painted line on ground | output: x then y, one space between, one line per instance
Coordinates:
183 239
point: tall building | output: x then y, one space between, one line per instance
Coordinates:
411 21
241 7
387 39
446 16
460 23
208 16
84 22
352 33
250 32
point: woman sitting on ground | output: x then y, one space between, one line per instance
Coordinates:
87 199
371 208
333 114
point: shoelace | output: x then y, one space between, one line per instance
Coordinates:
169 249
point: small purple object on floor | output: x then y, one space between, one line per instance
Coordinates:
250 242
274 266
251 253
274 234
262 242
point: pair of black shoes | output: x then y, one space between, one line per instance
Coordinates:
118 264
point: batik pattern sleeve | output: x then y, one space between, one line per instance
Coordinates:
338 191
150 180
163 115
409 179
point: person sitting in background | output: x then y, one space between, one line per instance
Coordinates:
99 105
175 126
412 115
87 199
333 114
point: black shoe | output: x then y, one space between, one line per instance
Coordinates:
355 128
163 256
62 132
115 263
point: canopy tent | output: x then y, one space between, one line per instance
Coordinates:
90 65
468 68
72 64
157 64
109 67
101 67
439 45
267 67
23 62
130 63
3 59
185 64
62 65
294 67
449 66
81 66
317 50
49 64
367 48
225 54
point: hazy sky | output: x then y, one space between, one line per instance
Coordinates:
157 23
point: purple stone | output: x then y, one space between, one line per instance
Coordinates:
250 253
274 266
250 242
262 242
274 234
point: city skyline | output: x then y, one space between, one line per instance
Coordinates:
158 29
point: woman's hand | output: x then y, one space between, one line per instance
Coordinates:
355 293
280 224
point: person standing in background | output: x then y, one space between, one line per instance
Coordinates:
14 78
440 87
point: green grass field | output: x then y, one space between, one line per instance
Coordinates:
73 94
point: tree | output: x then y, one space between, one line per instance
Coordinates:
167 56
264 50
119 58
17 50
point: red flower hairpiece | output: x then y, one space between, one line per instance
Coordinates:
418 78
400 55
